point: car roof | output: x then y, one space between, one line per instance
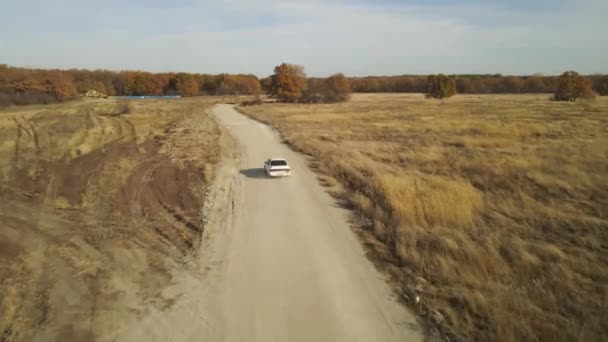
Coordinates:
276 159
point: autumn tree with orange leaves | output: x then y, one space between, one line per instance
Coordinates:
288 82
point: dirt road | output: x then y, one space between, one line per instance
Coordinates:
285 265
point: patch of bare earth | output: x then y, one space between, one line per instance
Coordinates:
490 212
97 208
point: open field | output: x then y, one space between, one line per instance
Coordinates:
99 201
493 209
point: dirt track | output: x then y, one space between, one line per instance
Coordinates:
281 262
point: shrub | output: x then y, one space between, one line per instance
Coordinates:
603 87
440 86
336 89
257 100
4 100
572 86
313 92
26 98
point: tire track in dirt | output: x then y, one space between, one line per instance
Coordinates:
17 150
93 237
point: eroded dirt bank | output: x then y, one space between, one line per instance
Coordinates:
98 207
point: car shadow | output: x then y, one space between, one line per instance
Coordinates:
257 172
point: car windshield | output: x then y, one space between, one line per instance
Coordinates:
278 163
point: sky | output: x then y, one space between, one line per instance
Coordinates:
358 38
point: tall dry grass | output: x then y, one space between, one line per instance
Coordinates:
492 209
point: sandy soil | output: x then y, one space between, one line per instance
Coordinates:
278 262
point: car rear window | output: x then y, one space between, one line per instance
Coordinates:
278 163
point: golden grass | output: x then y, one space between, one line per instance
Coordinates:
494 208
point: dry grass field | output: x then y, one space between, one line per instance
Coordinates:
99 201
493 209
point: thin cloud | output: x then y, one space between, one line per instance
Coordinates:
358 38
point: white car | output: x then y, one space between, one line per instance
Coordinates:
277 167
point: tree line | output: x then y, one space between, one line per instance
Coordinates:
471 84
289 83
570 86
31 86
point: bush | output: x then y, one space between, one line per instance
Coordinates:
440 86
256 101
313 92
336 89
572 86
25 98
603 87
5 100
